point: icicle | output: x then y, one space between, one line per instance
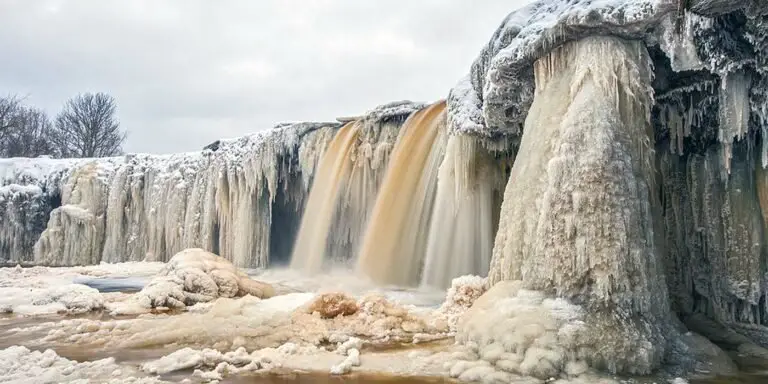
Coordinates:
680 47
734 114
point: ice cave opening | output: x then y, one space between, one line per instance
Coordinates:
588 205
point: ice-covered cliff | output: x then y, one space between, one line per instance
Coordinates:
639 127
241 198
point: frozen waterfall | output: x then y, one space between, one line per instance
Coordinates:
607 158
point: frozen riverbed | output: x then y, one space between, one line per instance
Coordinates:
58 328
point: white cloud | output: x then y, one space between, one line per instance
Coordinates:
186 72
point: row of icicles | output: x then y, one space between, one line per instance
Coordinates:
432 217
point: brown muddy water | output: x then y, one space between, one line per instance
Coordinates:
137 356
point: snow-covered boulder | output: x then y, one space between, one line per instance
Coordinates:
194 276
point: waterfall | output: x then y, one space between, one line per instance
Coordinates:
309 251
395 239
465 217
345 186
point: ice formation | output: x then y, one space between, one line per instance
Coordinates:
20 365
223 200
195 276
42 290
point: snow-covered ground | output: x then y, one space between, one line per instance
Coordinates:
44 290
59 330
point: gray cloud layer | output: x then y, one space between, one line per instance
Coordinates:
185 73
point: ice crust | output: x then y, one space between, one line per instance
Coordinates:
43 290
20 365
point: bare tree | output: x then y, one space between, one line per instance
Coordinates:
87 127
30 137
9 114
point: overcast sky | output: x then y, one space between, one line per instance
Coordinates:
188 72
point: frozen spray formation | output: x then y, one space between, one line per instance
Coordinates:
603 163
137 207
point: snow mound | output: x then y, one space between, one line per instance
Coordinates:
75 298
20 365
464 291
513 331
195 276
69 299
352 360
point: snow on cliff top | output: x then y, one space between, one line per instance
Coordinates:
495 97
45 171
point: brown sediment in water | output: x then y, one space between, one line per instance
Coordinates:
431 345
741 379
325 378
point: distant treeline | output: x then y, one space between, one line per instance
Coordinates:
86 126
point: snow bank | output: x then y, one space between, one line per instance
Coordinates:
226 325
44 290
20 365
68 299
253 323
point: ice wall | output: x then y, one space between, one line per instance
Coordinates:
76 230
221 200
149 207
715 235
577 217
241 198
29 191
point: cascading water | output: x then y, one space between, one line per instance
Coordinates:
309 251
395 239
345 186
466 212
